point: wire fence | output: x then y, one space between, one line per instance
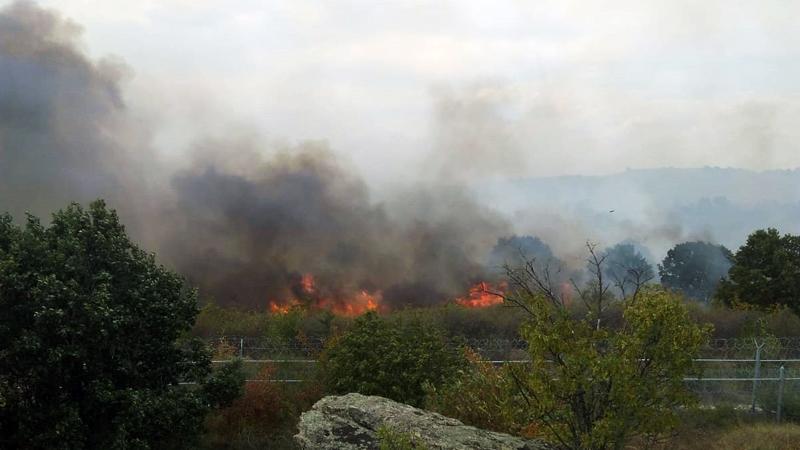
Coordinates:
758 374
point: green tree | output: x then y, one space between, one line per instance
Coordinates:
593 387
391 359
627 269
765 272
695 269
92 343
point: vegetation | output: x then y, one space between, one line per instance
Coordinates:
390 359
93 336
592 387
394 440
264 416
483 396
96 337
627 269
765 272
695 269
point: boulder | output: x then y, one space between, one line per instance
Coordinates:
352 421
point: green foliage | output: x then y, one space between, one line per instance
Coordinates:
264 417
765 272
483 396
594 388
92 344
390 359
226 385
695 269
390 439
214 320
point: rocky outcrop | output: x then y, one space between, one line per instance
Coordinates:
352 421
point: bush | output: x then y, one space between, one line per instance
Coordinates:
483 396
265 416
390 359
390 439
592 386
92 343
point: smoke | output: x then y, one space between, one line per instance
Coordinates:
246 221
252 222
247 236
64 131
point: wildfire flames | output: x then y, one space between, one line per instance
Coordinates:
353 305
480 295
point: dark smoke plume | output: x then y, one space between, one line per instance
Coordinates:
244 227
247 238
249 223
64 133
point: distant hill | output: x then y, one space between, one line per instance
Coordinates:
657 207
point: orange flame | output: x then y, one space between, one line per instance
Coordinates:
354 305
282 308
481 295
307 283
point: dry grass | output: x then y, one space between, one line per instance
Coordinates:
760 437
740 437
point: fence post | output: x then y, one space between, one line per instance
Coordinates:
781 380
241 347
756 374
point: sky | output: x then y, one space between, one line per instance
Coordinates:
464 89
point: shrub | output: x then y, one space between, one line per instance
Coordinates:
265 416
390 439
592 386
483 396
390 359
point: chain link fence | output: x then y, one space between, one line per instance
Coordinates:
761 374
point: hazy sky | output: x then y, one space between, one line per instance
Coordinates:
494 87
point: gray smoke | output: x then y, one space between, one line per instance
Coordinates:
243 226
245 220
64 132
247 236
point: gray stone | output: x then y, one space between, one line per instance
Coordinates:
351 422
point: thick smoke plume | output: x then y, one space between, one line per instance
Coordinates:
247 229
249 236
253 223
64 132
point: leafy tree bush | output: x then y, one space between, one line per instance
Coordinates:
265 416
483 396
765 272
593 387
393 359
91 340
695 269
627 269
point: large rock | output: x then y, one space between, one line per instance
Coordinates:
351 422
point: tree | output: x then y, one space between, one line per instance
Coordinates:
92 343
515 250
390 359
765 272
695 269
627 269
593 387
